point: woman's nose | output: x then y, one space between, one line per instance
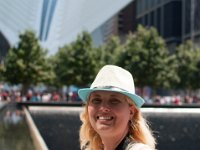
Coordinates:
105 106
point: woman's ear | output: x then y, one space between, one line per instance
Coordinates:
132 111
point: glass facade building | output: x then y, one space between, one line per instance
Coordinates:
58 22
165 15
175 20
191 20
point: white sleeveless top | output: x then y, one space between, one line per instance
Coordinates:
138 146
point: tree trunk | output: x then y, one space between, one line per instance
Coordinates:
24 89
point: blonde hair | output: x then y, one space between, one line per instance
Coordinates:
138 130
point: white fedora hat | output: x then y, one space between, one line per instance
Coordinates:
115 79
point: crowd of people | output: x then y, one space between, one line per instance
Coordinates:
38 96
174 100
73 97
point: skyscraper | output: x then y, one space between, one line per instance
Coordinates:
58 22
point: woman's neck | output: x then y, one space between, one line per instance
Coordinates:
111 141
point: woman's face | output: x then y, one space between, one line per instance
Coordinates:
109 112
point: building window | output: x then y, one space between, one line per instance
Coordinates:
187 17
197 16
146 20
152 20
139 7
139 20
158 18
172 19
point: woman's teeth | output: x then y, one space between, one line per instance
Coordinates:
104 118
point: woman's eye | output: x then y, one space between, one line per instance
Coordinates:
96 100
115 101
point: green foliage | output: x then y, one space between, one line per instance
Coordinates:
1 72
197 73
188 58
77 63
1 68
146 57
27 63
144 54
110 51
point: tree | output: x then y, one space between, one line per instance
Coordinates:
145 55
197 73
1 72
1 67
110 51
76 64
27 63
188 58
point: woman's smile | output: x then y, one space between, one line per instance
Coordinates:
104 118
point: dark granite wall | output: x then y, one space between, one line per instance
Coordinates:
60 131
174 131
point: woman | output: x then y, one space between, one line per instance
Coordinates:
112 119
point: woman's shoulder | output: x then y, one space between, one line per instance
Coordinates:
139 146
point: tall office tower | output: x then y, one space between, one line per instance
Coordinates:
165 15
15 17
191 20
57 22
176 20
